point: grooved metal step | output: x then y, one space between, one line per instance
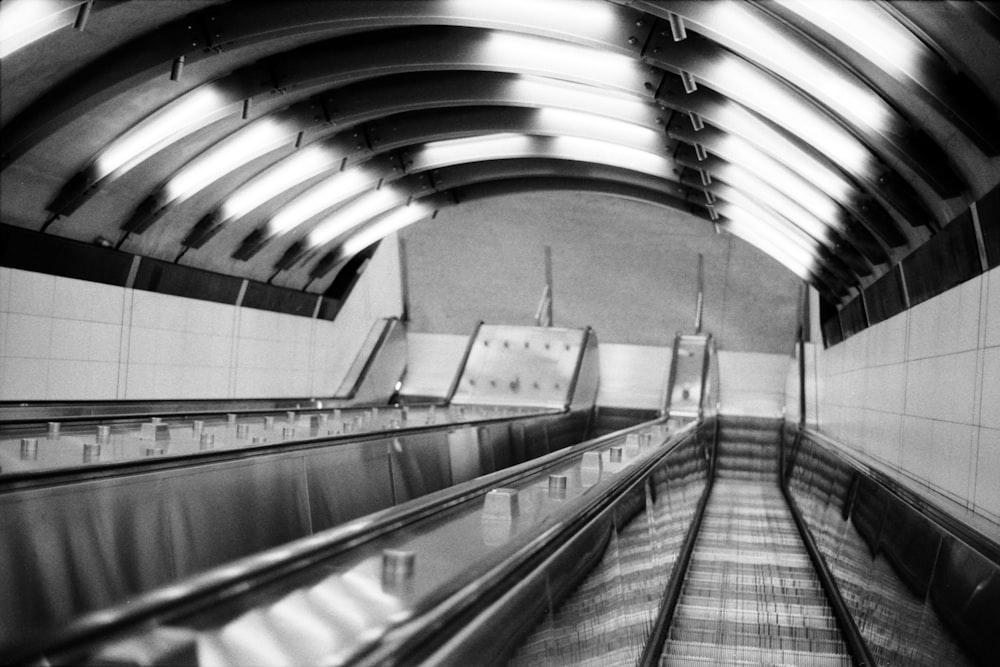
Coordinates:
750 594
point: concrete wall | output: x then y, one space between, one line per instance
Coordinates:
752 383
625 268
920 394
66 339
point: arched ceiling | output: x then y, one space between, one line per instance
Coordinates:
266 139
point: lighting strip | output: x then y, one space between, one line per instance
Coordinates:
174 121
527 54
494 147
761 41
510 145
500 50
817 232
286 174
326 194
868 30
230 154
746 231
23 22
790 238
558 105
355 214
386 224
783 196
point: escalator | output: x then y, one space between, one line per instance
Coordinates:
662 544
751 595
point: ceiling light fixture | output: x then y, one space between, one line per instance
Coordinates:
25 21
512 145
236 150
177 119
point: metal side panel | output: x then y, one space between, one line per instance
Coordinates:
421 464
588 375
348 481
465 454
67 550
687 375
432 362
384 367
918 594
515 365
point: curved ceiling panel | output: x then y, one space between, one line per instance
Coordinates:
835 136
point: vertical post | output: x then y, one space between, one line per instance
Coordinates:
700 303
803 324
548 284
404 281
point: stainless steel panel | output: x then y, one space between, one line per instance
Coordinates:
588 375
511 365
494 447
918 595
465 455
421 464
687 375
66 550
432 362
348 481
378 366
224 512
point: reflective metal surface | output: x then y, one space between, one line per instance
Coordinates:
511 365
688 374
378 365
379 574
605 618
179 436
919 595
73 542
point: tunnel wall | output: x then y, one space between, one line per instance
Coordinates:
68 339
919 394
625 268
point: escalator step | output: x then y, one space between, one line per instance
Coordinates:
678 652
750 594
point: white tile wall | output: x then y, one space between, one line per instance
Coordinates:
987 476
920 393
66 339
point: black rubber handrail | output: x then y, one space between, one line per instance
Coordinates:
226 583
856 644
653 650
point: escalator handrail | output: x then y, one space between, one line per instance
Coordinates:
48 477
467 595
916 501
226 582
856 644
138 417
653 650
